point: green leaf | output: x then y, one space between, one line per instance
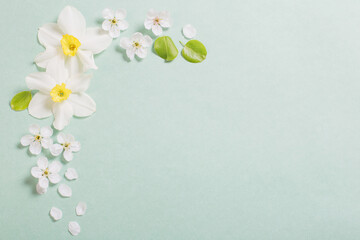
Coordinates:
194 51
165 48
21 101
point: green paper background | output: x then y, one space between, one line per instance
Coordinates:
260 141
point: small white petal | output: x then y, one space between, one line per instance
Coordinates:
26 140
147 41
56 149
108 13
42 163
46 132
151 14
189 31
74 228
123 25
148 23
40 190
46 142
114 31
35 148
43 182
36 172
71 174
157 30
55 167
61 137
64 190
81 208
54 178
106 25
125 42
130 52
75 146
56 213
34 129
141 52
120 14
69 138
68 155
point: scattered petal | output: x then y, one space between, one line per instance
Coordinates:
189 31
71 174
56 213
74 228
64 190
81 208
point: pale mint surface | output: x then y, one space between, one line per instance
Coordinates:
260 141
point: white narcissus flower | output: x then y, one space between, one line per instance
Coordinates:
67 144
40 138
157 20
137 44
70 41
114 22
45 172
60 94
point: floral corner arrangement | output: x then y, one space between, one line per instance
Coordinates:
60 90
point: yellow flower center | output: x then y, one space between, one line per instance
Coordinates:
37 138
136 44
60 93
113 21
157 20
66 145
46 172
70 45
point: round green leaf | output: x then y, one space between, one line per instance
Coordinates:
165 48
21 101
194 51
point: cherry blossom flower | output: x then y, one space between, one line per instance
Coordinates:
67 144
157 20
45 172
60 94
114 21
70 41
137 44
39 139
